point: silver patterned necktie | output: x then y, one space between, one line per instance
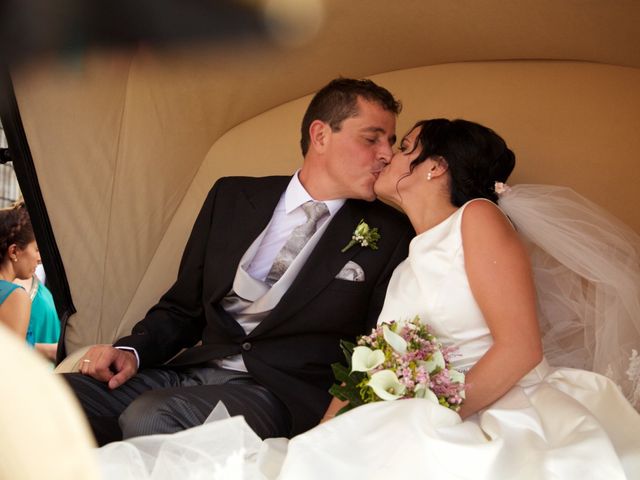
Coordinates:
300 235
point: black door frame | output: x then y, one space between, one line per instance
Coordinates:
20 154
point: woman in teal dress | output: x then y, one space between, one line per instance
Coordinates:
19 257
44 325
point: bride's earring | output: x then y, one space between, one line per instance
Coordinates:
430 173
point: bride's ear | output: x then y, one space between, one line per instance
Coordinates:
438 166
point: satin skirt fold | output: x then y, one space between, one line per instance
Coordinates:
571 425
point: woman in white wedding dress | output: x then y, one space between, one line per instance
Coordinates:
469 276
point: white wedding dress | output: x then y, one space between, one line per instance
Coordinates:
556 423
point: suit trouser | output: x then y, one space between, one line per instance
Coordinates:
166 400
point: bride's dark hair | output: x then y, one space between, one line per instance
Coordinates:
476 155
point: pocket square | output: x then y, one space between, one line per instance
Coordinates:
351 272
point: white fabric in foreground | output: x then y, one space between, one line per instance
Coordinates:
586 265
43 432
223 448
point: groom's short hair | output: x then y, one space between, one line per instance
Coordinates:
339 100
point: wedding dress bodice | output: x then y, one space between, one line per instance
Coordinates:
432 283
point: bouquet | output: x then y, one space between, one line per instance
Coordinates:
398 360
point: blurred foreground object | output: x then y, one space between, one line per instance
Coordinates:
43 433
36 28
31 28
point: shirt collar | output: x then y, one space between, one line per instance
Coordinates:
296 195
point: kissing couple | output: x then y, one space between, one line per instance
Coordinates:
266 290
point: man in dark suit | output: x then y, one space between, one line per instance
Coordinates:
265 290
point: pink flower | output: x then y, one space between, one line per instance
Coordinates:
501 188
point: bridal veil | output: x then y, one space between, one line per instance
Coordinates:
586 265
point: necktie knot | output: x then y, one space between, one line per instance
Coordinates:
314 210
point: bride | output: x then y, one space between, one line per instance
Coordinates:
470 277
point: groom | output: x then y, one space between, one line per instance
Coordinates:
264 291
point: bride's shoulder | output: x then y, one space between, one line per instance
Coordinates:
481 208
483 219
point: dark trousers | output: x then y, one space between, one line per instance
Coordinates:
164 400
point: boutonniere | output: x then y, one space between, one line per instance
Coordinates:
365 236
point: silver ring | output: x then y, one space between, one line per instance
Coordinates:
86 360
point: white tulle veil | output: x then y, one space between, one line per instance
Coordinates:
586 265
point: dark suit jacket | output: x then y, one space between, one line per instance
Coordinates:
291 350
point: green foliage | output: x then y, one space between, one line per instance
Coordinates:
350 386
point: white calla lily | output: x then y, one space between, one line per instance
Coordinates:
422 391
456 376
398 343
436 362
386 385
365 359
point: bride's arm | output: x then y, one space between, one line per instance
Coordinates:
500 278
334 407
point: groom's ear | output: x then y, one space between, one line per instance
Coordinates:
319 133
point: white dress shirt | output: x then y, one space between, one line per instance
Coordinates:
287 215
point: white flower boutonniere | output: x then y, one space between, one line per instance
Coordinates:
365 236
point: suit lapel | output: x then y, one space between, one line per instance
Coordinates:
251 213
321 267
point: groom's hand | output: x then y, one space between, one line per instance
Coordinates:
109 364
